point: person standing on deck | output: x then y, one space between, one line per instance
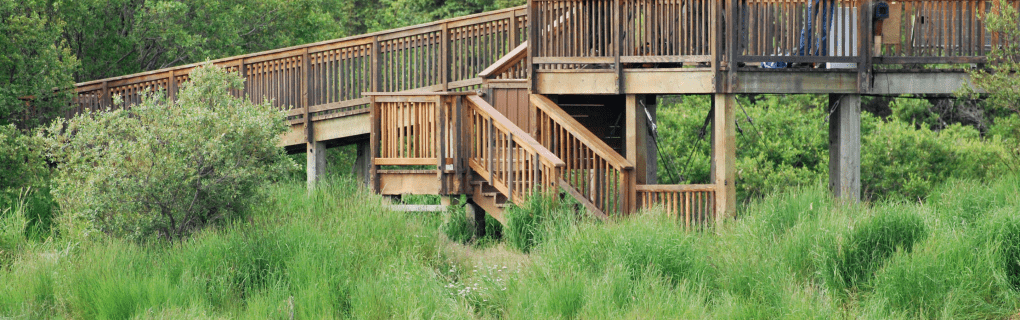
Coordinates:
808 45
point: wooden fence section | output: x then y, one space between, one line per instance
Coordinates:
506 156
569 34
692 204
594 172
799 31
938 31
326 79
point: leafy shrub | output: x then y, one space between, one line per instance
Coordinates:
900 161
24 177
782 142
166 168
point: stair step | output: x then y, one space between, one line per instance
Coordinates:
491 194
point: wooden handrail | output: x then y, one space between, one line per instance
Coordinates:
506 62
522 138
327 44
577 129
675 187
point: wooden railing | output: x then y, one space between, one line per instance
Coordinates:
799 31
691 204
570 34
594 172
506 156
938 31
326 79
445 129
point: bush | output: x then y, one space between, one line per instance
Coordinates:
25 204
166 168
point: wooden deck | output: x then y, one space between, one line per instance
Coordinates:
472 98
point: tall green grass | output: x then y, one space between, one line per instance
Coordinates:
338 253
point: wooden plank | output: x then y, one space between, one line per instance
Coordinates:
577 130
649 188
574 60
665 59
391 183
505 62
406 162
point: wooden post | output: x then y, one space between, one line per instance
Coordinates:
533 43
444 58
845 147
373 142
725 154
243 70
866 47
441 103
375 64
636 143
512 33
651 157
171 87
107 99
459 150
618 38
363 162
732 47
315 165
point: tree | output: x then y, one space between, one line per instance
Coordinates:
34 60
1001 79
166 168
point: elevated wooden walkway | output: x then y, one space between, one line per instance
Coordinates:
559 95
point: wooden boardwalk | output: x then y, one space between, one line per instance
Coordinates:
501 104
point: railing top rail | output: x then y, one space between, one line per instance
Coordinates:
593 142
282 52
525 139
675 187
419 93
507 61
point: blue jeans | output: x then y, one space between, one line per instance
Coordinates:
807 44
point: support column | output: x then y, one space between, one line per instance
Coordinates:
845 147
637 138
652 156
724 154
315 167
362 163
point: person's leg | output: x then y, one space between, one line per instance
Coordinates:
806 42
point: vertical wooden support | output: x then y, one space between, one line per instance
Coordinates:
242 69
375 65
107 99
315 166
171 87
510 167
732 46
866 46
373 142
636 143
444 58
725 154
845 147
460 149
441 103
533 44
363 162
512 33
618 39
651 157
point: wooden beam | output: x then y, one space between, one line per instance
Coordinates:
845 147
725 154
506 62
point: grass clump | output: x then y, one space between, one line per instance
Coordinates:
873 241
539 218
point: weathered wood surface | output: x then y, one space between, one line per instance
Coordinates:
692 204
326 80
593 168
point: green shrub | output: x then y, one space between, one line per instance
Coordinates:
167 168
